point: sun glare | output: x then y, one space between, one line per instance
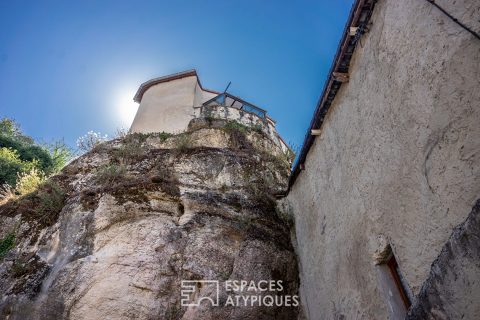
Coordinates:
126 107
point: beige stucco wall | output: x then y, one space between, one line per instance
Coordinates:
166 106
398 158
202 96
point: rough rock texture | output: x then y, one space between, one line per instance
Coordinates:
452 289
138 215
398 158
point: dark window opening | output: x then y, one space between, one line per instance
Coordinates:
395 271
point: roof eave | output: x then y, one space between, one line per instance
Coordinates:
147 84
355 18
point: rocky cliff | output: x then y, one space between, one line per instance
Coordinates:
114 235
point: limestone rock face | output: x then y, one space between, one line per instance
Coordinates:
114 235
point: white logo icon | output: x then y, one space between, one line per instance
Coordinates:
190 293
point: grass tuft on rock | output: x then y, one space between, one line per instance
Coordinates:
128 152
111 174
163 135
183 142
51 200
6 244
236 126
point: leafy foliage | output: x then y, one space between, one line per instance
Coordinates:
10 165
29 181
61 154
164 135
28 152
10 128
19 155
234 125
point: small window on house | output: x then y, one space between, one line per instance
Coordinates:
399 282
392 284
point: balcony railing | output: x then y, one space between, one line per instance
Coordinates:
227 100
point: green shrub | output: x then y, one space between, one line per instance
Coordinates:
61 154
51 200
164 135
28 152
128 151
20 154
238 135
28 182
234 125
40 154
7 243
110 174
10 165
9 127
209 119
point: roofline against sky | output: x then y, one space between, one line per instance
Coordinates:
359 17
175 76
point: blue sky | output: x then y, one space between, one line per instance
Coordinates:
67 67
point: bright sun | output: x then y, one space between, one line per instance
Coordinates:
126 107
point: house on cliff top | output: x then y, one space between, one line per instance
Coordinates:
169 103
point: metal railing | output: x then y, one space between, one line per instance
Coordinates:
228 100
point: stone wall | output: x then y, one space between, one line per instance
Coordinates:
397 161
249 119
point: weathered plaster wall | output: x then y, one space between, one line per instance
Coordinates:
398 158
202 96
166 107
